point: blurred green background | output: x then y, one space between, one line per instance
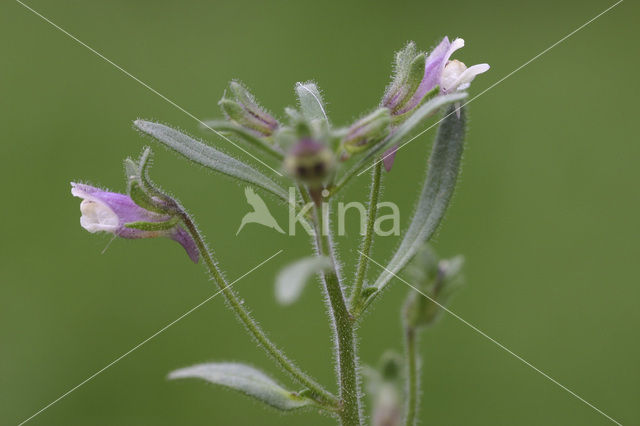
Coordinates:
546 211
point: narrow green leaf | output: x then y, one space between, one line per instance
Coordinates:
244 135
444 166
311 102
209 157
247 380
292 279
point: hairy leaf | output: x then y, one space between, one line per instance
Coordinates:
444 166
243 134
209 157
292 279
311 102
245 379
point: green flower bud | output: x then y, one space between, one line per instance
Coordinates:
242 109
384 386
309 161
438 279
367 131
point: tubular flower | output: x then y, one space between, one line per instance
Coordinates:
450 75
117 214
439 70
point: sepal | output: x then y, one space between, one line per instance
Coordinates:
154 226
396 92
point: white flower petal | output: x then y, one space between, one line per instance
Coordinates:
464 75
97 216
450 75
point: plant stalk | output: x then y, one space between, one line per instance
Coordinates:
411 355
343 327
363 262
325 398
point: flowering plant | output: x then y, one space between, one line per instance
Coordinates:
318 160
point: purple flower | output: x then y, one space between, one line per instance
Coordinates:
440 71
450 75
111 212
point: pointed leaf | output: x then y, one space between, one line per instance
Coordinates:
442 174
293 278
245 379
209 157
243 134
311 102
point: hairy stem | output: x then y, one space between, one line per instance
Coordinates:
411 356
343 328
324 397
363 262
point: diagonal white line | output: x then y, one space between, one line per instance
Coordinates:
500 345
142 83
317 100
163 329
498 82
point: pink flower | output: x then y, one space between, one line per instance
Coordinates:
450 75
111 212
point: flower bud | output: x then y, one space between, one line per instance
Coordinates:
310 161
243 110
384 386
437 279
118 214
367 131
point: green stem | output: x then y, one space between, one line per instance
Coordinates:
363 262
411 355
325 398
344 332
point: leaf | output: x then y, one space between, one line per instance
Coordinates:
311 102
245 135
292 279
245 379
209 157
444 166
403 131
